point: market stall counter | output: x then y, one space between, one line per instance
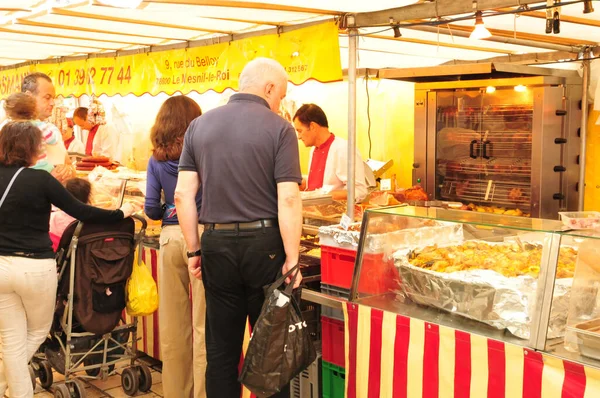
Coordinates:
495 296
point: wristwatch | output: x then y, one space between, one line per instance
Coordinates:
197 253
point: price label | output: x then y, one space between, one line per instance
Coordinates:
345 221
385 184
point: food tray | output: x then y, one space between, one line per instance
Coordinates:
483 295
581 219
588 337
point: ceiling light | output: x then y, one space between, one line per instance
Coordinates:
520 88
480 31
587 6
121 3
397 32
490 89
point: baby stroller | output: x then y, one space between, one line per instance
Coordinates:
89 335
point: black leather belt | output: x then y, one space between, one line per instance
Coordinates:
243 226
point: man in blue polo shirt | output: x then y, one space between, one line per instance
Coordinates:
244 158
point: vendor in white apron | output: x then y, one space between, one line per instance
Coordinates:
328 157
101 139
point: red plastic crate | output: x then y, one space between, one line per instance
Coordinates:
333 337
337 266
377 275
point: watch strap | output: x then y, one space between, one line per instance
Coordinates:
196 253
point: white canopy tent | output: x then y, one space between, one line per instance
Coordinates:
406 34
43 29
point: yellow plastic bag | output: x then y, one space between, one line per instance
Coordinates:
142 293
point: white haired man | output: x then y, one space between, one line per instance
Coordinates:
245 159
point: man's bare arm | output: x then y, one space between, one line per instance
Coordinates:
290 223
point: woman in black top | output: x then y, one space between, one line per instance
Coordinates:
27 267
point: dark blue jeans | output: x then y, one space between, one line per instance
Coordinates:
235 268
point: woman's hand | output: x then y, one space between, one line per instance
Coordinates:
129 209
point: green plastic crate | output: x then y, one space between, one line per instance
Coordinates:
334 381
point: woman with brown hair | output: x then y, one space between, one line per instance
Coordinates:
180 326
27 267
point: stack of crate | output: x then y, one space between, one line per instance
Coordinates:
308 383
333 345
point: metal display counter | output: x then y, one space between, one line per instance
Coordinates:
497 306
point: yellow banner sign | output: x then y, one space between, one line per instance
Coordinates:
306 53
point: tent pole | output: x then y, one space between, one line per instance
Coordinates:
584 123
353 42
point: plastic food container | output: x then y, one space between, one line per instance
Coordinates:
588 338
581 219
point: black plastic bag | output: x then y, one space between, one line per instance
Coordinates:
280 346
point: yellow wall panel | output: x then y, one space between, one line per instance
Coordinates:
592 173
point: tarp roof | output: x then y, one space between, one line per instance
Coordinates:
42 29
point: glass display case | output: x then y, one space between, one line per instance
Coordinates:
582 335
321 211
524 281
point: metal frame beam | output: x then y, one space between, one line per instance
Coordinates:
563 17
23 40
352 61
27 22
442 44
525 59
95 39
11 9
524 36
249 4
574 48
432 9
250 21
99 17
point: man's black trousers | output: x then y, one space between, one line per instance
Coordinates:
236 265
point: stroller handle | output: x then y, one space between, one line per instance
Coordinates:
142 220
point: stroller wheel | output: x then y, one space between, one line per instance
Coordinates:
130 381
79 389
62 391
145 378
45 374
